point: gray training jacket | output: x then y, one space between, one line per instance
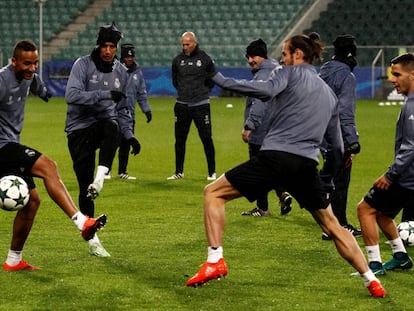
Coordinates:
88 96
256 113
13 96
301 109
137 91
401 171
339 77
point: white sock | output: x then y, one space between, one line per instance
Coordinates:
373 253
397 245
214 254
13 257
368 277
101 171
79 220
94 240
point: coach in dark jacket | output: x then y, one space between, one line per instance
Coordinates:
191 70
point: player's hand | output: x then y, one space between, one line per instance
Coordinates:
354 148
46 96
350 152
245 135
382 183
148 114
117 96
135 145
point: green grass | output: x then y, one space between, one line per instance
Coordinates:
156 236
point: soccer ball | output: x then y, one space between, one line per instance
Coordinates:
406 232
14 193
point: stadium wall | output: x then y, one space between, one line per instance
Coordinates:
158 79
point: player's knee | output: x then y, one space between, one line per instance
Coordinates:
208 190
212 192
34 200
50 166
363 208
29 212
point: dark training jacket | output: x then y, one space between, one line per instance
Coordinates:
191 76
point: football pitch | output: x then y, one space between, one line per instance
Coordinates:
156 237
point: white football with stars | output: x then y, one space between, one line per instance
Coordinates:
406 232
14 193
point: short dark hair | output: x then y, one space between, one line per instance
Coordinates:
311 46
24 45
406 60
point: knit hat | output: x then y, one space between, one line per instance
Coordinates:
257 48
109 33
127 50
345 46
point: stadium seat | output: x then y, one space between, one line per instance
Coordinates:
161 22
376 23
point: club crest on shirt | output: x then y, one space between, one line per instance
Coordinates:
117 83
10 102
94 79
199 63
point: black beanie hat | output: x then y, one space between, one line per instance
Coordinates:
109 33
257 48
345 46
127 49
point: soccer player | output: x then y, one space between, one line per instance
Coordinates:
16 79
303 108
190 76
256 117
337 73
394 190
137 91
97 111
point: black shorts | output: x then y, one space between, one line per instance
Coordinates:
390 202
270 170
17 159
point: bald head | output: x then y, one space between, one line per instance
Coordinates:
189 42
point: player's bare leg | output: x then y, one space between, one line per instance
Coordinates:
46 169
23 221
216 195
22 225
348 248
369 218
368 221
